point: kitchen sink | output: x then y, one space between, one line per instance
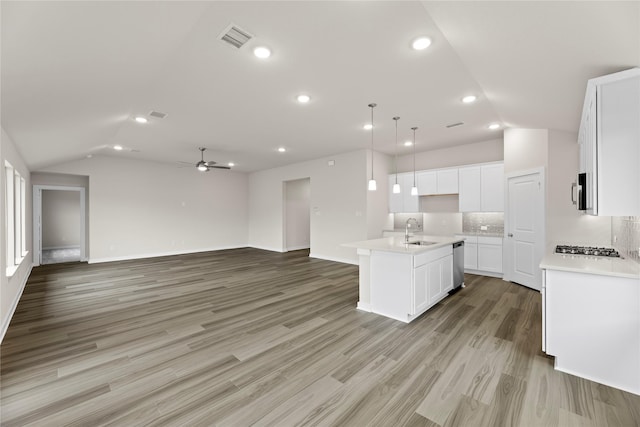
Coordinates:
421 243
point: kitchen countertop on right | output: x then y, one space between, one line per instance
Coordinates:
618 267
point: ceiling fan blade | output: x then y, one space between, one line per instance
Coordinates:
219 167
210 163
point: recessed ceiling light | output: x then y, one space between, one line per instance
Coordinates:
303 99
408 143
469 99
494 126
141 119
117 147
231 164
282 149
262 52
368 126
421 43
89 156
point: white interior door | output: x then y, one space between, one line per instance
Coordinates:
525 228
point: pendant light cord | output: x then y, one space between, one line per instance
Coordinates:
414 155
372 106
396 149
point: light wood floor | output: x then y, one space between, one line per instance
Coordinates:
244 337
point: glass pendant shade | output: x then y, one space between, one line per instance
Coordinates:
372 185
414 191
396 188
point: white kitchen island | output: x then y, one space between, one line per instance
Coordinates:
400 280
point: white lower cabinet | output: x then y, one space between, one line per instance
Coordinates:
403 286
432 282
591 324
483 254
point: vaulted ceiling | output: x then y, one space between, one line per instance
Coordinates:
75 74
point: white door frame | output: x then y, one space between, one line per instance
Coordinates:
37 223
541 212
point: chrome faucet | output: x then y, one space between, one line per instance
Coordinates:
406 230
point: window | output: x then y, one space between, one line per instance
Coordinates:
15 214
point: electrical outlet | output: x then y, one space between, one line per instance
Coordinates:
484 227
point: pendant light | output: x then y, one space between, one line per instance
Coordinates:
414 189
396 186
372 182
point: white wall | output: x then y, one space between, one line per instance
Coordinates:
565 224
378 216
297 214
478 152
60 219
141 209
11 287
338 205
525 149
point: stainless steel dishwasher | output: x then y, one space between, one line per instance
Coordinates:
458 265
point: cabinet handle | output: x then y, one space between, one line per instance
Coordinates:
510 234
573 192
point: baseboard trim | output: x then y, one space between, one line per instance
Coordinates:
49 248
363 306
334 259
484 273
298 248
161 254
266 248
14 305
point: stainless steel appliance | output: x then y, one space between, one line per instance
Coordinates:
585 250
458 265
579 192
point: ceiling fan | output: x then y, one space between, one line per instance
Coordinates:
203 166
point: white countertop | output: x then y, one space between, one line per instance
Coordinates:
591 265
396 244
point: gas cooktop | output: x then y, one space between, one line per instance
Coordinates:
587 250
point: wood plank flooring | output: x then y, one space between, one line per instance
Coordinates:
248 337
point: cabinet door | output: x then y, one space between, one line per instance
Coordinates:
395 200
427 183
447 181
434 281
490 257
471 256
420 296
410 203
492 188
447 273
469 183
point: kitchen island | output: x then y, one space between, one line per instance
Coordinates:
403 280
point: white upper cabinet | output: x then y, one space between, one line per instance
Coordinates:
403 201
481 188
427 183
443 181
609 144
469 199
448 181
492 188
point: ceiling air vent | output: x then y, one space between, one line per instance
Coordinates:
235 36
452 125
158 114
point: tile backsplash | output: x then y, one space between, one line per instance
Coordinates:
625 231
473 222
400 220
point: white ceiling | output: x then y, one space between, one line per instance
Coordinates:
74 74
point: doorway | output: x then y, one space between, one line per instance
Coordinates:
59 224
525 227
297 214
